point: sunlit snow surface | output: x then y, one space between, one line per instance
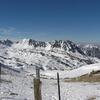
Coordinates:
22 86
74 73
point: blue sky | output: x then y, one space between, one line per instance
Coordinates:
77 20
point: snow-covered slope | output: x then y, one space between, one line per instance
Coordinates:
54 55
75 72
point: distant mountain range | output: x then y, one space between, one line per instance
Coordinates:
52 55
92 50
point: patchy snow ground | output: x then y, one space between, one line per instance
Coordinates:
20 87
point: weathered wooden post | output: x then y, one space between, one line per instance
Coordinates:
58 86
37 85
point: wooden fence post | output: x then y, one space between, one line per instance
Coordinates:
37 86
58 86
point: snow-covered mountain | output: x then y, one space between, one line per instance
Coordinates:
92 50
6 42
53 55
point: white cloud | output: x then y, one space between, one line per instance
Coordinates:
7 31
11 32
